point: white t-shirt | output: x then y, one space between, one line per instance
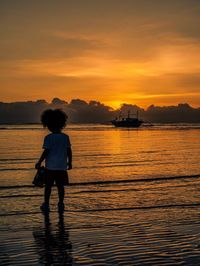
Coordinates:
57 144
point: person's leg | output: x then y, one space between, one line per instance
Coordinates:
61 180
61 193
47 194
45 205
49 181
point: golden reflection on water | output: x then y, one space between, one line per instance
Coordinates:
106 154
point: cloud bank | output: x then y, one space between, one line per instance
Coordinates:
80 111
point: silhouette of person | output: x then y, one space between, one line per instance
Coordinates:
57 155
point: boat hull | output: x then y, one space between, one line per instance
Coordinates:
126 124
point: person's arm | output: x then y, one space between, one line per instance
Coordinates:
42 157
69 155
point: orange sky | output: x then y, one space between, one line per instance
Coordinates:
140 52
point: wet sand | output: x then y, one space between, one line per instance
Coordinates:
162 234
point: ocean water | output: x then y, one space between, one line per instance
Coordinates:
133 197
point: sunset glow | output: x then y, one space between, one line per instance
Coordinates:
138 53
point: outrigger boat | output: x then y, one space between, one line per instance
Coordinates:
127 122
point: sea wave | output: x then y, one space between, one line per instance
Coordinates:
112 181
184 205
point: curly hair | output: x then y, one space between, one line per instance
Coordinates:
54 120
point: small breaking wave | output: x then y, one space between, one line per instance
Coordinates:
112 181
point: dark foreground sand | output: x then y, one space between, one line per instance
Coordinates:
151 236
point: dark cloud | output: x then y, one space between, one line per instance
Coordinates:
80 111
171 114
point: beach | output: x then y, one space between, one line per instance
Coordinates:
133 198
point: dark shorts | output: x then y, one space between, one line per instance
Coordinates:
59 177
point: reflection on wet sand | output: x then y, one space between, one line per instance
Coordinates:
53 246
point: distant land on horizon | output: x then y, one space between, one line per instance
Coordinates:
80 111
